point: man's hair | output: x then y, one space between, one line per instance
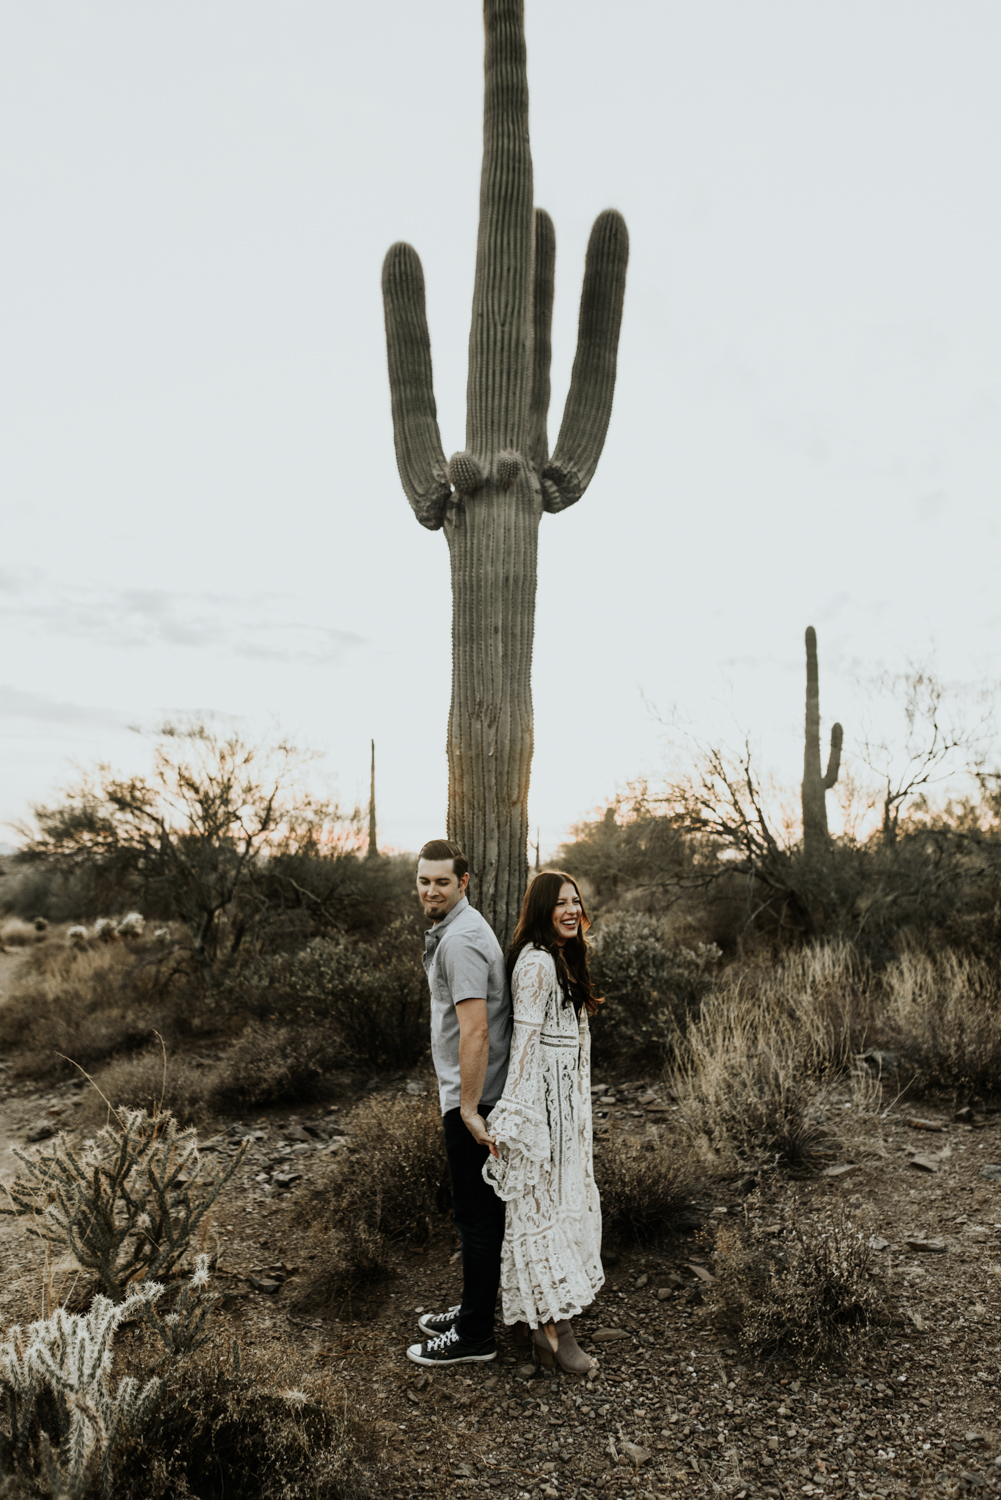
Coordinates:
445 849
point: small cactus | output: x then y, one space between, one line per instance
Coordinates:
125 1204
41 924
66 1416
104 930
132 925
77 936
816 783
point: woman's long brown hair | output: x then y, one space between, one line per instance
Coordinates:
535 927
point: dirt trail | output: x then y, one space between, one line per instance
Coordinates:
14 1112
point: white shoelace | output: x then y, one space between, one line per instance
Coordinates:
450 1337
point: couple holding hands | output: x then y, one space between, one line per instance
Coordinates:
511 1050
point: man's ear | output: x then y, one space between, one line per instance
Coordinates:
464 882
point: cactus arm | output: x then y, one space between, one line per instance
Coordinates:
589 403
834 763
537 445
419 455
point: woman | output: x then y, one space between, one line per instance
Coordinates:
551 1259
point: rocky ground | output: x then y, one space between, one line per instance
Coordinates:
675 1407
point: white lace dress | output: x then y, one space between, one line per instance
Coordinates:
551 1260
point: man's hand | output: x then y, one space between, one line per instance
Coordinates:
477 1127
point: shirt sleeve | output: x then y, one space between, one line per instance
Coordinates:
518 1120
466 970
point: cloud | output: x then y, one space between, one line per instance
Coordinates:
248 625
15 703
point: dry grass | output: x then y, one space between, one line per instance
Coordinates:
814 1294
147 1080
755 1064
258 1426
945 1016
89 1004
17 934
644 1185
388 1189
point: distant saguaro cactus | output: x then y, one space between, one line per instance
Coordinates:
816 783
489 498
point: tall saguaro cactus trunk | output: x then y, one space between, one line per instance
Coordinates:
816 783
489 498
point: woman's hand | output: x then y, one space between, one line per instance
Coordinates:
477 1127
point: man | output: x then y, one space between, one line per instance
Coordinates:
470 1043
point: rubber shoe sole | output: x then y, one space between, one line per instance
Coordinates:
457 1354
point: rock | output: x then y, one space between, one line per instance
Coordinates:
918 1124
413 1087
663 1293
647 1099
261 1284
876 1242
607 1335
636 1453
839 1169
525 1372
43 1131
296 1133
965 1116
924 1163
990 1172
930 1247
973 1437
238 1132
879 1062
701 1273
642 1281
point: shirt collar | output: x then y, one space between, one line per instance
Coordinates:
435 931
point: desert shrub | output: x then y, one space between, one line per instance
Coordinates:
945 1015
768 1041
93 1002
257 1427
652 985
126 1204
387 1189
151 1081
16 933
371 996
812 1294
645 1185
274 1065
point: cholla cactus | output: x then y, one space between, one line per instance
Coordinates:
104 930
161 934
182 1330
77 936
124 1203
65 1414
133 924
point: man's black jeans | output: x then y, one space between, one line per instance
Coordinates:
479 1218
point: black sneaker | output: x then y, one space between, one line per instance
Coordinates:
449 1349
434 1323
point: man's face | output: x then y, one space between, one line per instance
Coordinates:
438 886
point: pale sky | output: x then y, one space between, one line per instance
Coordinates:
201 508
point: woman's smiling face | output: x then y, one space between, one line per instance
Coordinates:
566 913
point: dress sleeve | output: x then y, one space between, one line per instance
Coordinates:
518 1120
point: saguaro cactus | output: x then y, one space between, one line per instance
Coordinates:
489 497
816 783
